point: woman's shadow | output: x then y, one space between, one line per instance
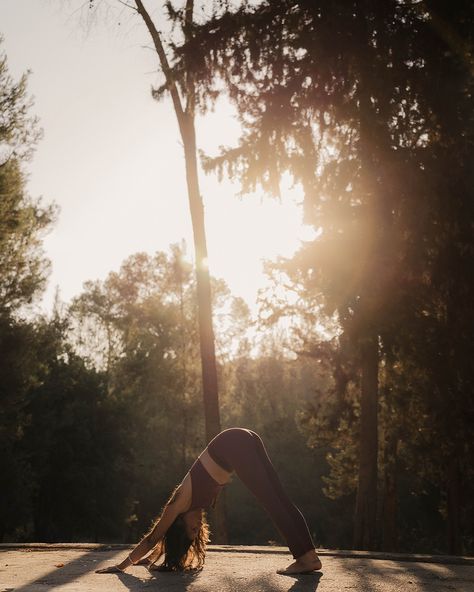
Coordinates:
306 582
181 581
165 580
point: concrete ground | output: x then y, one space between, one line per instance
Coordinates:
71 568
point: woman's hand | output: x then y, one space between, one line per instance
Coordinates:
120 567
110 569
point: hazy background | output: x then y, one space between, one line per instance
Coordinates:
111 156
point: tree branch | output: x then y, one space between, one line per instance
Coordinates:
190 88
128 5
155 35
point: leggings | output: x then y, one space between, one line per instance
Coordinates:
242 451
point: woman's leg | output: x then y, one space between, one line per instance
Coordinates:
243 450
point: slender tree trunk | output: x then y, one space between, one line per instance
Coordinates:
185 118
206 332
184 370
390 505
453 468
203 282
365 519
366 502
453 490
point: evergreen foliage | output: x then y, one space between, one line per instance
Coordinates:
368 105
23 266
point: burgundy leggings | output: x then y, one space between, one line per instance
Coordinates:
242 451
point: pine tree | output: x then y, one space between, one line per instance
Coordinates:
345 97
23 267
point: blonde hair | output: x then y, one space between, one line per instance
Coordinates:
179 553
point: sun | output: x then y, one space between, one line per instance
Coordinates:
243 232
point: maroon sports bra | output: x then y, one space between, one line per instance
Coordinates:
205 489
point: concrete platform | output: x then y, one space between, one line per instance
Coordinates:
71 568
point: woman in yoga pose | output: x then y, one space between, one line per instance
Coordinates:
180 534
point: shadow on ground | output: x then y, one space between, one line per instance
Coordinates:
174 582
41 571
61 574
74 571
373 575
296 583
178 582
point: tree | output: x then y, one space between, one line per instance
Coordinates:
338 96
140 326
23 267
183 98
449 97
311 120
23 270
74 445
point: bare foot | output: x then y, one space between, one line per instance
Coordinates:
307 563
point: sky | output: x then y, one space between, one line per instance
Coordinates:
112 160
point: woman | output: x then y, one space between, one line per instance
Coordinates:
180 534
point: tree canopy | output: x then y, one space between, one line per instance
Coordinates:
367 105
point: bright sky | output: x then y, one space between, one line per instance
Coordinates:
111 156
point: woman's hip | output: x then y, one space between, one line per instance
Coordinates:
231 445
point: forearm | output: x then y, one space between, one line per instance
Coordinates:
125 563
142 549
149 542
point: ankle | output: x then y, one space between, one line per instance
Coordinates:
310 556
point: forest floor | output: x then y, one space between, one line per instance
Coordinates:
71 568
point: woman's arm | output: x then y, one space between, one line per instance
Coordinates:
150 540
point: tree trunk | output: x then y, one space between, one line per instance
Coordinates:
365 519
203 282
453 491
366 501
185 118
390 504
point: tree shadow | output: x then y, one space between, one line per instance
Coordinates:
370 574
435 576
71 571
85 564
75 569
181 581
267 583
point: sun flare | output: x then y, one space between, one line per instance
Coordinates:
243 232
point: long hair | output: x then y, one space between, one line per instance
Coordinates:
178 551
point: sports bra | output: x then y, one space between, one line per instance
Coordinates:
205 489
